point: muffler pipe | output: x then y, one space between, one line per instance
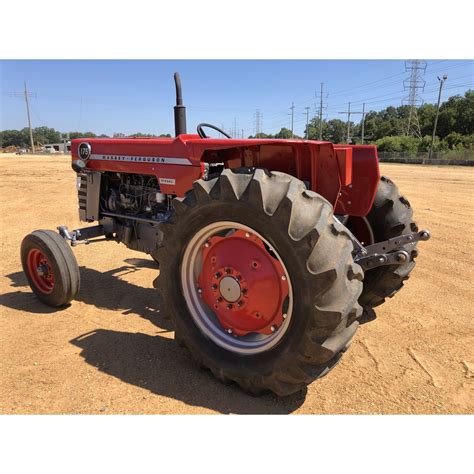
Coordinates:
179 109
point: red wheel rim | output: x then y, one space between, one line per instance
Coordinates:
40 271
243 283
236 287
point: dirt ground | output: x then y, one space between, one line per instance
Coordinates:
112 350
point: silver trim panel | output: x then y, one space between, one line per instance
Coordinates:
142 159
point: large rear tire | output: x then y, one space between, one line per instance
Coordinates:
239 223
391 216
50 267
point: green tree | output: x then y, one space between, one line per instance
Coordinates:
73 135
335 131
283 133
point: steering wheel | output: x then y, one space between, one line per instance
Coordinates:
201 133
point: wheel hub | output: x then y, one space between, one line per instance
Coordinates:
243 283
40 271
230 289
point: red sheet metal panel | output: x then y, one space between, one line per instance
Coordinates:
357 198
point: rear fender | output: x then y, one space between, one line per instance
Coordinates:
356 198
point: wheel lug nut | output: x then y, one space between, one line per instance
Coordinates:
240 303
229 331
199 290
285 315
244 291
247 234
206 245
218 275
273 328
283 277
229 306
214 286
219 300
228 270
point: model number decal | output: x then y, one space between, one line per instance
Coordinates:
171 181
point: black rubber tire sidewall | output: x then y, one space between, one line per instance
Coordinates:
63 264
316 251
391 216
266 227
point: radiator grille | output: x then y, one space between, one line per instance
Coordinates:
82 196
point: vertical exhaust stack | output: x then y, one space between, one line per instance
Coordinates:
179 109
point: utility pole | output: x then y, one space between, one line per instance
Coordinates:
307 122
26 95
292 108
441 82
349 113
321 113
363 123
242 133
349 123
29 120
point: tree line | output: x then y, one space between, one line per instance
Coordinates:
44 135
386 129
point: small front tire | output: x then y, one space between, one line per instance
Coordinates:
50 267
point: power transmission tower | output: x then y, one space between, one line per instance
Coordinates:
292 108
441 82
349 113
415 84
306 135
26 95
258 122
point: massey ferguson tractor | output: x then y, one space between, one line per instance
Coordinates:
269 251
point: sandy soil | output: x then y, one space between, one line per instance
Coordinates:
112 350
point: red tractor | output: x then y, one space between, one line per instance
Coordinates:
269 250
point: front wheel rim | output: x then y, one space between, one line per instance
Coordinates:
236 288
40 271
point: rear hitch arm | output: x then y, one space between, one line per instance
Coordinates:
388 252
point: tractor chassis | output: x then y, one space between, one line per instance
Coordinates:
389 252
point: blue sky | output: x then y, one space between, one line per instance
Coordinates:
130 96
